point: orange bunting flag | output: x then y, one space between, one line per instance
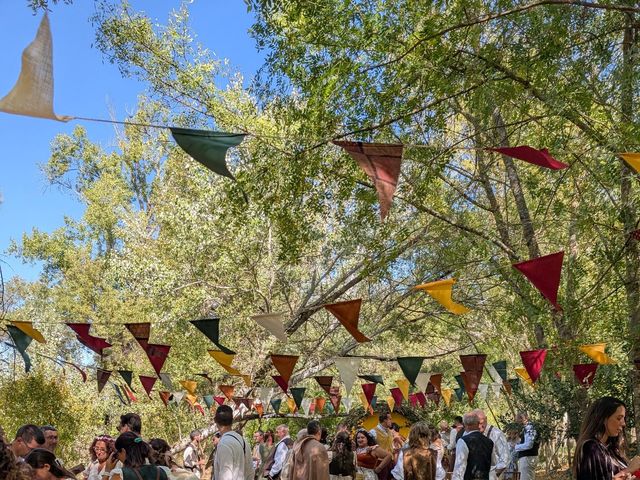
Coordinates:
164 396
381 162
259 409
633 159
28 329
189 385
403 385
391 402
596 353
191 399
471 381
441 293
140 331
284 364
225 360
436 381
245 378
473 363
544 273
319 405
227 390
291 403
348 314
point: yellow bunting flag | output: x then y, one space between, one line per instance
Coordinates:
363 400
633 159
291 403
225 360
446 395
524 375
441 292
596 353
27 329
189 385
245 378
391 402
403 385
191 399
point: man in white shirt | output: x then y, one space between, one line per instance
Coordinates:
233 455
500 447
274 465
527 449
474 452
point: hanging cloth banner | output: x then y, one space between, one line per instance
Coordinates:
225 360
82 333
473 363
208 400
259 409
32 95
304 404
265 394
413 400
596 353
177 397
284 364
542 158
533 361
441 293
219 400
273 323
164 396
189 385
348 314
210 327
403 385
422 381
391 403
206 376
291 403
460 382
381 162
633 159
129 393
496 388
191 399
397 395
369 390
282 383
471 382
165 378
325 382
275 404
459 393
372 378
585 373
335 403
147 383
436 381
483 389
207 147
119 393
446 395
422 400
140 331
501 369
348 368
28 329
21 341
432 394
319 405
157 355
227 390
524 375
245 378
102 376
365 403
410 367
127 376
347 403
544 273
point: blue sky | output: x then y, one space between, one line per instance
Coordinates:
85 85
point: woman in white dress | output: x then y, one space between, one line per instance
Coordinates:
371 459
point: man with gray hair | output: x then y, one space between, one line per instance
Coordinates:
275 462
474 452
191 456
500 447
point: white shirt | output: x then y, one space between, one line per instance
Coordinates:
529 438
93 471
372 432
233 458
279 457
462 453
398 469
452 438
500 448
190 459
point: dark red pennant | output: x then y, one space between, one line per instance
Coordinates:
102 377
544 274
473 363
436 381
325 383
396 393
157 355
94 343
413 399
147 383
282 383
219 400
369 390
471 382
542 158
533 361
585 373
422 400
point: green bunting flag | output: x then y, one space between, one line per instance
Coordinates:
208 399
119 393
127 376
275 404
460 382
210 327
459 392
298 395
410 367
21 341
501 368
207 147
372 378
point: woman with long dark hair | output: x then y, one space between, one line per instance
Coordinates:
371 458
343 462
45 465
599 450
134 453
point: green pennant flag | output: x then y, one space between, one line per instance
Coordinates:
119 393
298 394
501 368
329 408
410 367
208 399
374 402
210 327
207 147
127 376
459 392
372 378
21 341
460 382
275 404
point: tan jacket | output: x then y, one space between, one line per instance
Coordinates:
310 460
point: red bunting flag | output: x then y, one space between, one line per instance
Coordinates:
348 313
164 396
281 382
325 383
542 158
369 390
284 364
96 344
227 390
381 162
147 383
471 382
473 363
436 381
219 400
396 393
199 408
533 361
102 377
413 400
129 393
585 373
544 274
422 400
157 355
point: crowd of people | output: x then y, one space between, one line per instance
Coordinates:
470 449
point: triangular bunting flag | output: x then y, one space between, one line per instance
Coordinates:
127 376
542 157
348 368
259 409
335 403
471 381
369 390
206 377
319 405
372 378
298 395
21 342
225 360
177 397
305 406
129 393
275 404
391 403
422 380
496 388
28 329
410 367
165 378
281 382
446 394
208 400
459 393
219 400
119 393
441 292
413 400
524 375
164 396
544 274
483 389
403 385
291 403
325 382
284 364
140 331
596 353
473 363
102 377
82 332
348 313
273 323
436 381
533 361
397 395
210 327
157 355
147 383
501 369
227 390
189 385
585 373
422 400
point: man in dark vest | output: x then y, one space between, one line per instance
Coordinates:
474 452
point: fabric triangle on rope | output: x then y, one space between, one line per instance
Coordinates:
284 364
298 394
533 361
348 314
585 373
440 291
473 363
102 376
410 367
325 382
542 157
96 344
372 378
28 329
210 327
147 383
273 323
544 273
21 341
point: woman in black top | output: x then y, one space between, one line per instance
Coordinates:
599 451
342 457
134 453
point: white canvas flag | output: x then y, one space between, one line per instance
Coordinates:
273 323
306 405
422 380
483 388
346 402
348 368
